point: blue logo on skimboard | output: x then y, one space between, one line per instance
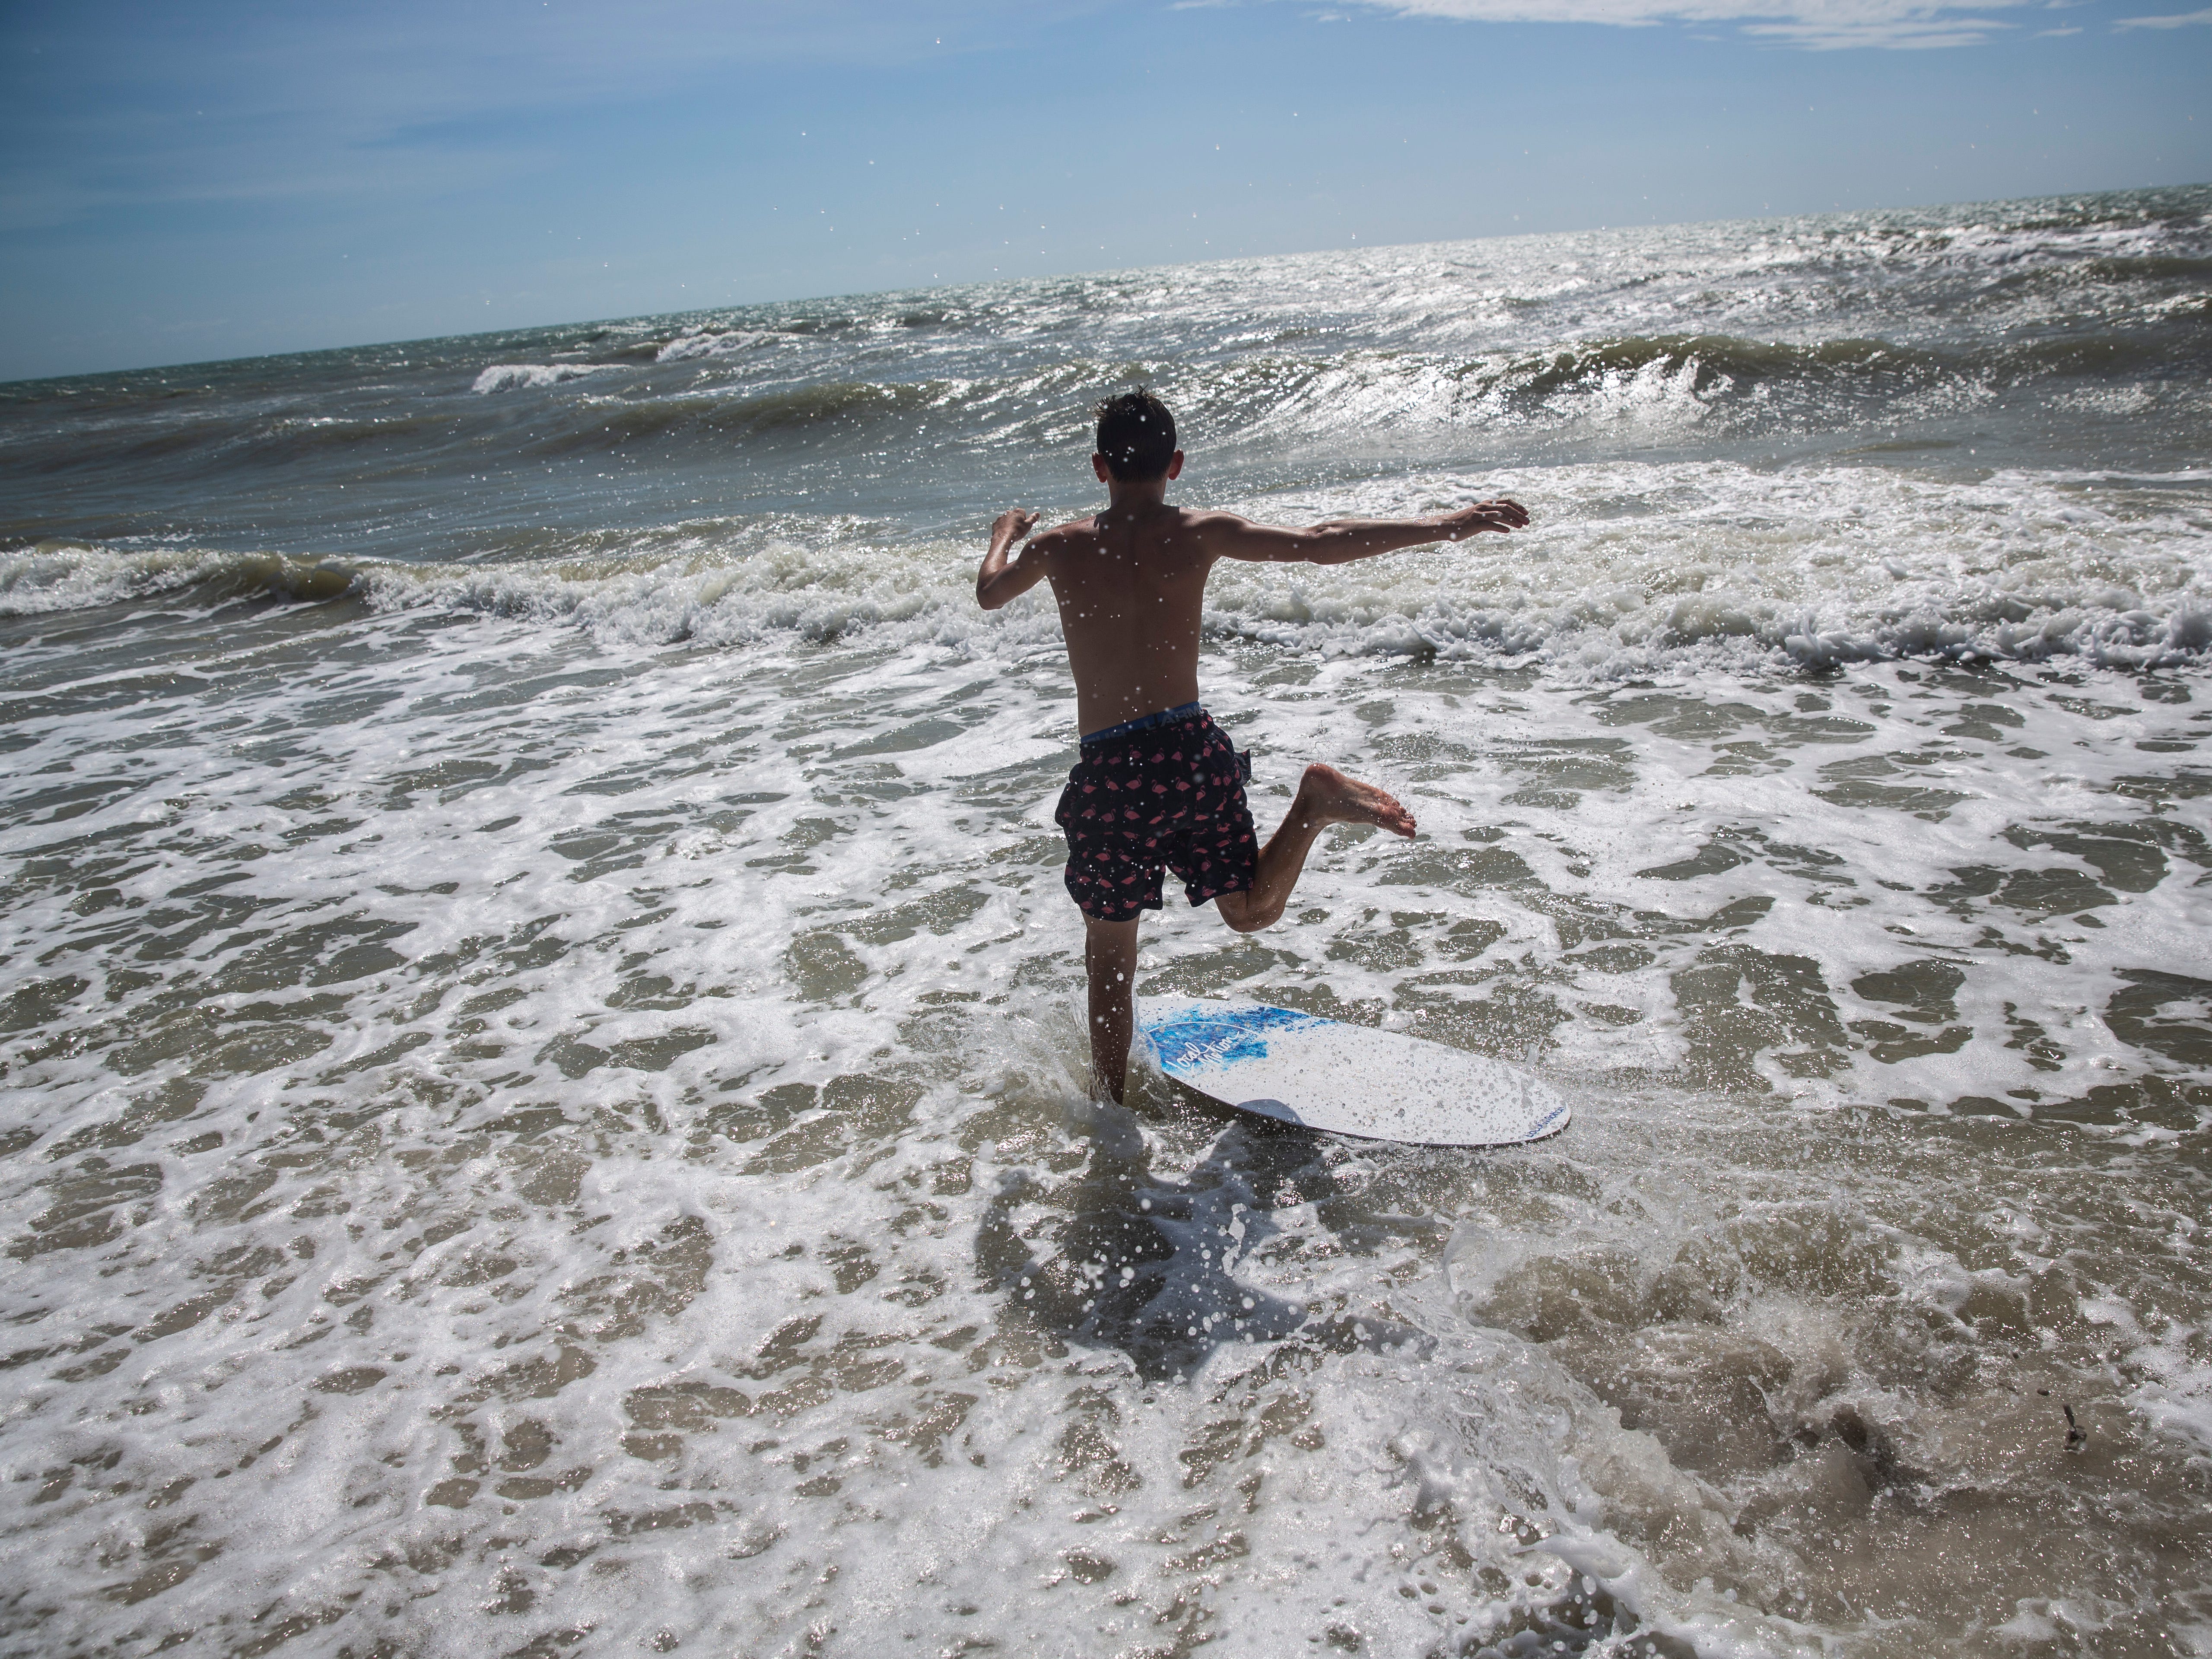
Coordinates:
1203 1036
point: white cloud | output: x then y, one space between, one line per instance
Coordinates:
2178 20
1819 24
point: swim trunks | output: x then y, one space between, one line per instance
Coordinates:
1165 796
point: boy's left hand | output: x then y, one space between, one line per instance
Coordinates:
1500 514
1010 526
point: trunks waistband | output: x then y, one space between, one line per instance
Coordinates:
1189 711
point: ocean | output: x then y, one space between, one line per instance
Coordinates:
540 1027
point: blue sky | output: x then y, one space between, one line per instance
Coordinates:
182 183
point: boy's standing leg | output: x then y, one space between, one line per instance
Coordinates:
1109 959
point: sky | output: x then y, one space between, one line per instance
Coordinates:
231 178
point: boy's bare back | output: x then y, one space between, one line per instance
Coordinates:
1131 586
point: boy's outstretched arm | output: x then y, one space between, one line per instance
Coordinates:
997 580
1340 541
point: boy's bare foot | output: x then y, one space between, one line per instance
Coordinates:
1325 796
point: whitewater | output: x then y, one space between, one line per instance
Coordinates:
541 1051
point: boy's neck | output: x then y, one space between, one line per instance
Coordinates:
1135 495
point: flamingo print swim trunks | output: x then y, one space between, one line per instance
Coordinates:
1165 791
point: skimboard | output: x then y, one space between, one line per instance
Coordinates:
1348 1079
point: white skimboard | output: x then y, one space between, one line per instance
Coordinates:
1348 1079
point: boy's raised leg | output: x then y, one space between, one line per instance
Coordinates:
1109 958
1325 796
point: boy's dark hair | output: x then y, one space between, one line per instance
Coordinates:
1137 436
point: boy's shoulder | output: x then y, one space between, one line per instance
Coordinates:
1165 524
1177 535
1075 539
1073 532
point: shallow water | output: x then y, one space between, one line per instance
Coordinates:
542 1050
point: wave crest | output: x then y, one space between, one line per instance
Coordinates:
512 377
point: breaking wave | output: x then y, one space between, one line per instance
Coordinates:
2020 567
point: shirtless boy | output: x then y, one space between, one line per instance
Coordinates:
1159 783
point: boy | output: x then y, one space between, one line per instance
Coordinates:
1158 784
